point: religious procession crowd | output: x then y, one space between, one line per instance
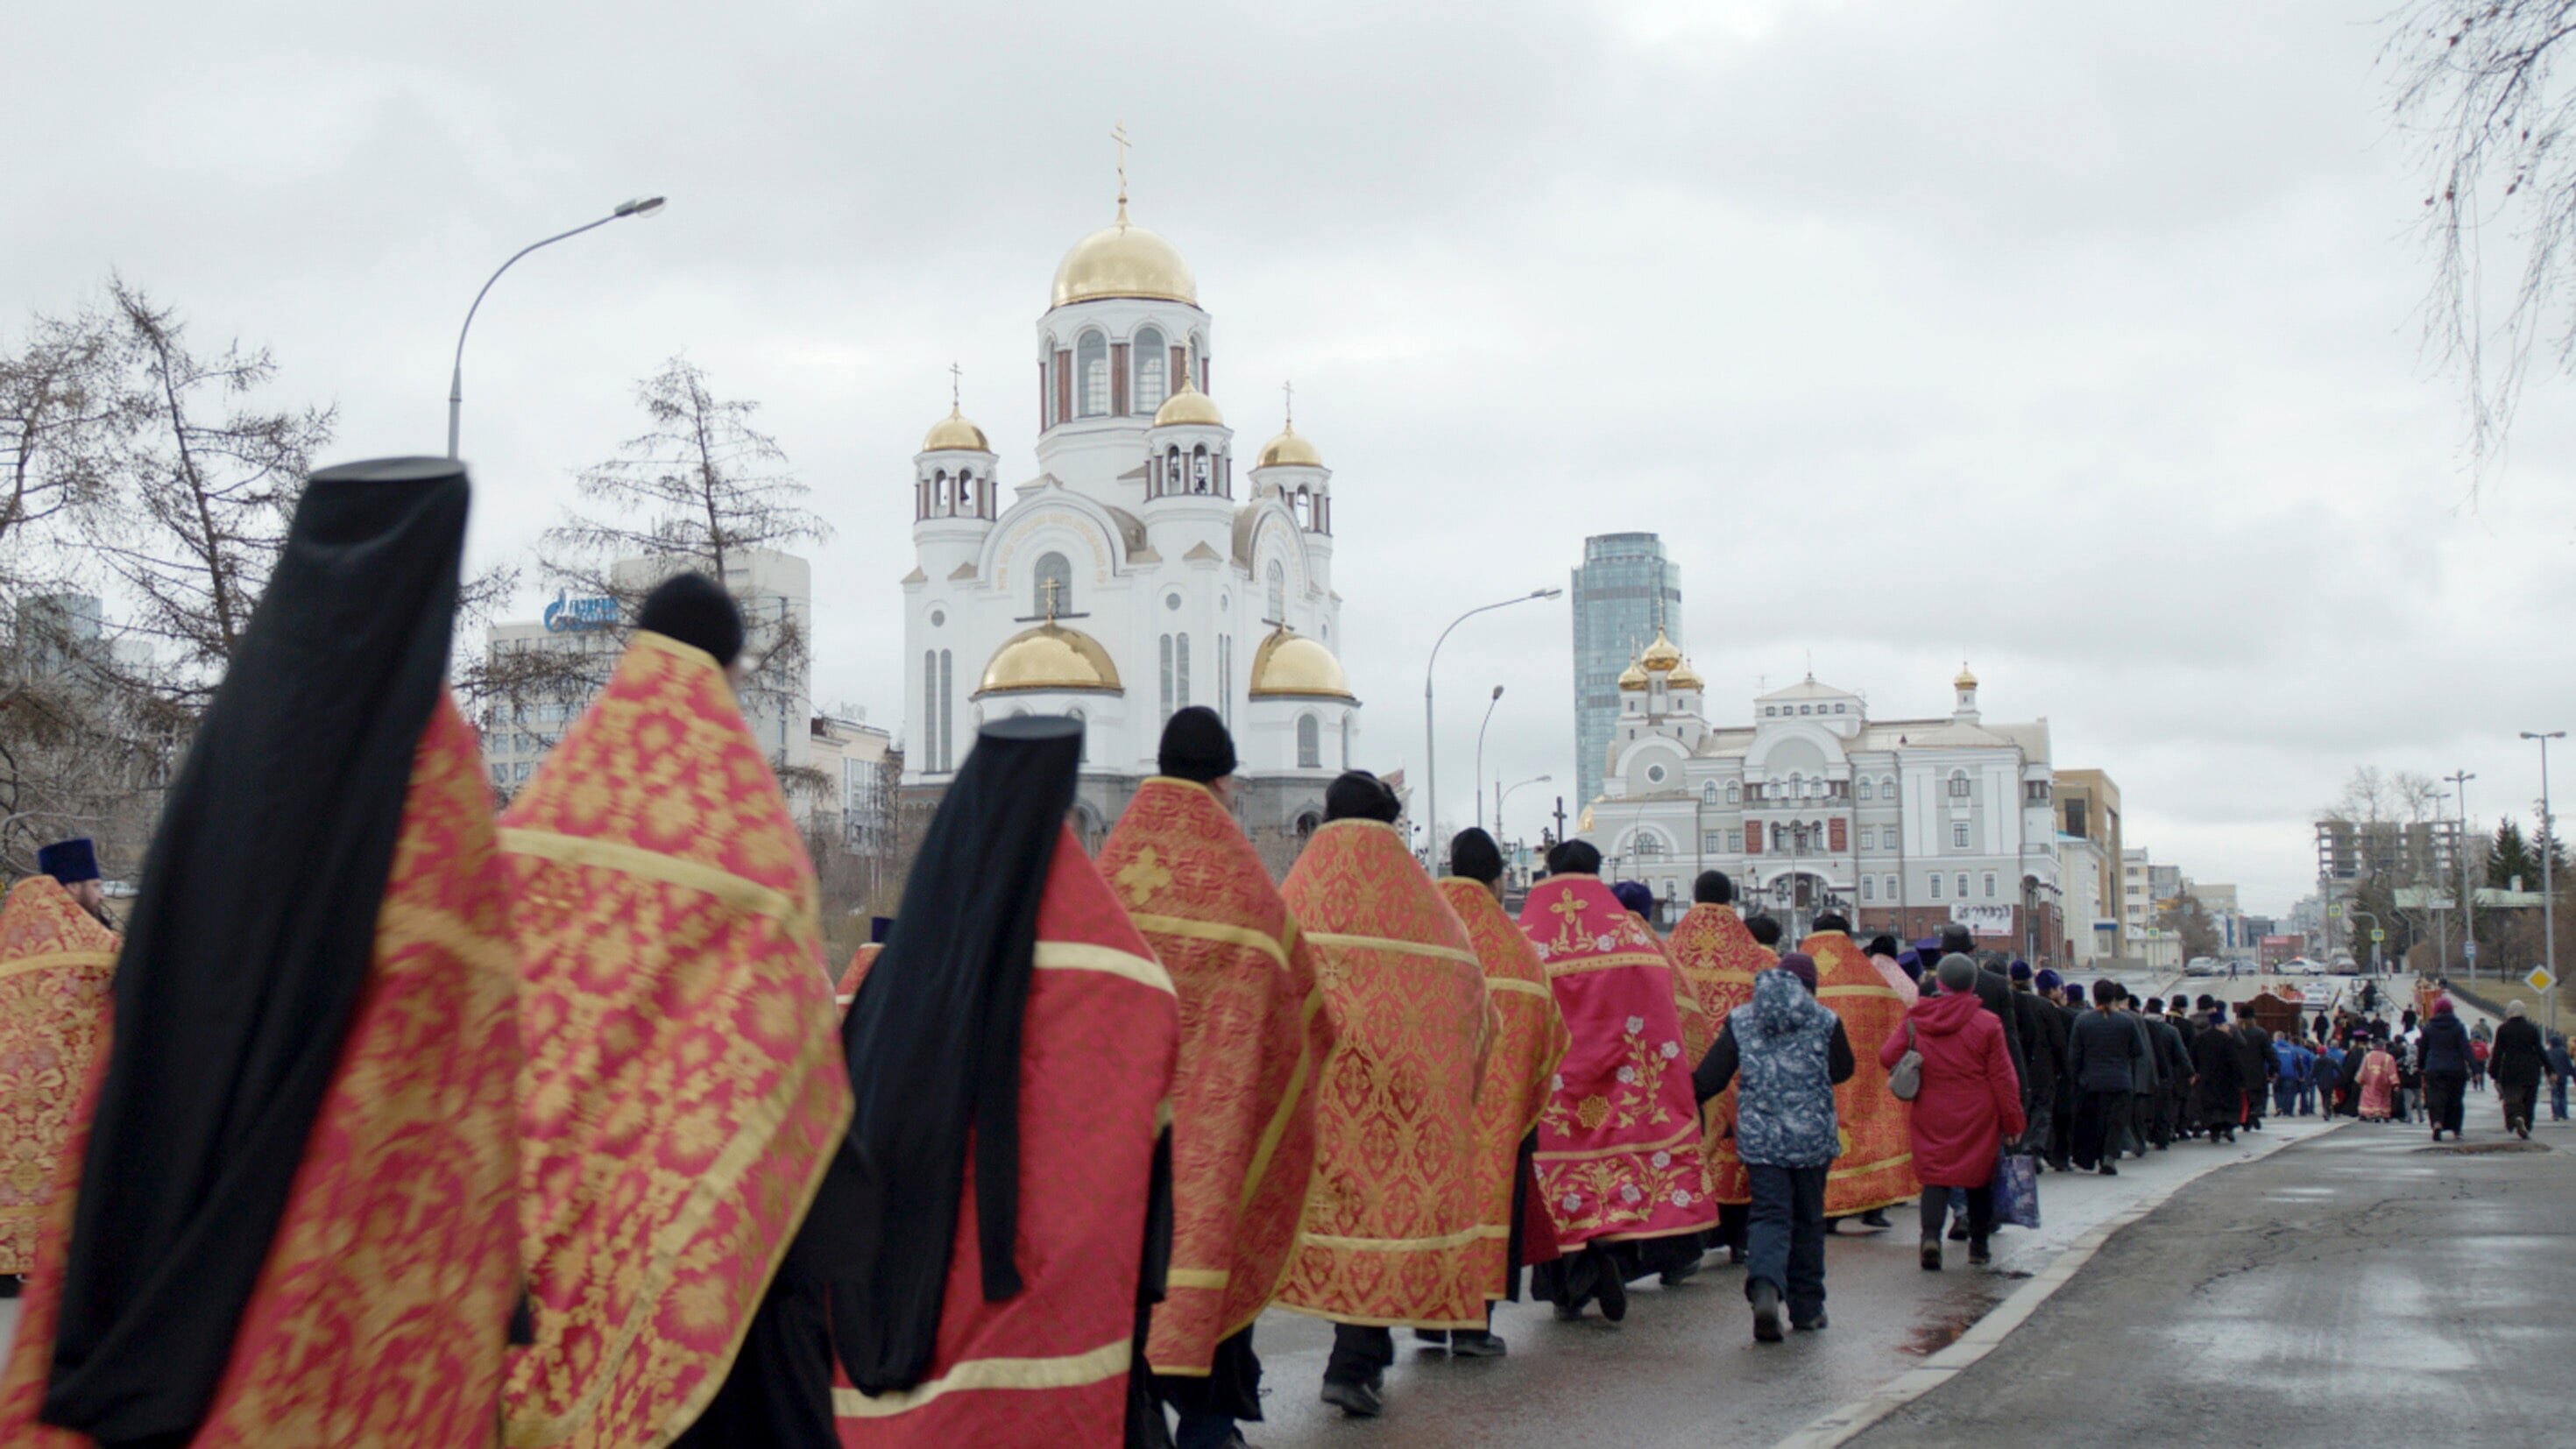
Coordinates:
391 1121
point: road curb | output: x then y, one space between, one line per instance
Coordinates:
1988 1333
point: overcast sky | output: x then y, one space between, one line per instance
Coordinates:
2078 340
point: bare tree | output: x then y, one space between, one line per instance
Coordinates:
2478 85
199 486
50 418
700 489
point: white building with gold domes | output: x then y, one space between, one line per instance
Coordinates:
1906 825
1137 570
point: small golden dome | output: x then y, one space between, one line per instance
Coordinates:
953 434
1661 656
1686 677
1289 450
1123 260
1189 405
1965 680
1050 656
1633 678
1288 663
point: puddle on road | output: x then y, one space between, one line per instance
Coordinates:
2482 1149
1945 1319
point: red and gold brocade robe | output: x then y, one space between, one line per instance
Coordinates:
1711 949
1392 1235
1618 1143
1097 1043
55 964
1253 1035
683 1088
1529 1042
846 990
1877 1163
381 1313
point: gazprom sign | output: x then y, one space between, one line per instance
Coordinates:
569 616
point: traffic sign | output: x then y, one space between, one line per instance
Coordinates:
2377 935
2334 912
2540 980
2469 951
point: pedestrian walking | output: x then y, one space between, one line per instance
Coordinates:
1790 1052
2445 1065
2518 1059
1967 1107
2107 1054
2378 1084
2559 1070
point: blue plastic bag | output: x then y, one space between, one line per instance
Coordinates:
2017 1190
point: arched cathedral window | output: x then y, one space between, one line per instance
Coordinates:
1051 586
1153 361
1310 743
1278 578
1091 367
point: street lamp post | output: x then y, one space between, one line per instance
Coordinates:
1480 762
2468 895
1501 795
640 206
1431 737
2548 894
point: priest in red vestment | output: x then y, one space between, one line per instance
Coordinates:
285 1214
684 1087
980 1262
56 961
1618 1142
1876 1168
1254 1036
1716 952
1391 1236
1531 1041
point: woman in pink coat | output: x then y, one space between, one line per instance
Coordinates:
1970 1103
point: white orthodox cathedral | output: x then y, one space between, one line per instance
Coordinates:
1137 570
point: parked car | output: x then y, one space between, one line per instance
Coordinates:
2302 966
2202 966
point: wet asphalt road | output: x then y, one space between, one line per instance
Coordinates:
1683 1369
2364 1287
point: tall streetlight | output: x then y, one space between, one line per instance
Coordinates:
1480 761
2548 848
640 206
2468 896
1501 795
1430 736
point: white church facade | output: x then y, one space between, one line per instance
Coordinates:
1142 567
1906 825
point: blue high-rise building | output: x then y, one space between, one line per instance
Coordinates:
1623 590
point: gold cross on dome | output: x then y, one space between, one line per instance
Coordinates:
956 384
1288 405
1118 133
1051 586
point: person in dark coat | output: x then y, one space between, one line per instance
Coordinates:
2254 1053
2060 1144
2173 1071
2444 1059
2107 1055
2348 1077
2218 1088
2043 1035
2517 1062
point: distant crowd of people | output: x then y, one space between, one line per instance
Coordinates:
2422 1070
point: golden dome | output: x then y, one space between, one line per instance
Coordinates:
1289 450
1661 656
1965 680
1686 677
953 434
1633 678
1050 656
1123 260
1289 663
1189 405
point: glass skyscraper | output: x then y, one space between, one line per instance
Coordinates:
1616 590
